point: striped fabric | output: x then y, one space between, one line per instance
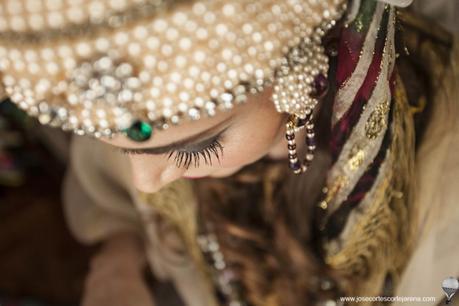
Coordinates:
366 62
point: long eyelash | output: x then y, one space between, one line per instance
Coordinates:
184 159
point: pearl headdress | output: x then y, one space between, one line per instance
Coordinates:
98 67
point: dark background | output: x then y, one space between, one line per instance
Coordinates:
40 263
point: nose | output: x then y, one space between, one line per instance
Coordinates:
150 174
171 173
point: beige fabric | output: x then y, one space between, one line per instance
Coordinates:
438 194
101 201
98 200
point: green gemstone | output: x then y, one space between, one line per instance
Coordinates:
139 131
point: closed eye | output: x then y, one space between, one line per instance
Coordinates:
193 156
184 159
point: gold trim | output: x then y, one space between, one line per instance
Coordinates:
378 238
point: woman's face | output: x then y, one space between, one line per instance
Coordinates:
215 147
193 51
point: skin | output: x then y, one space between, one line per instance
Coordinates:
249 132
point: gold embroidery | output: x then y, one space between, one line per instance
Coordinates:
379 230
330 194
356 157
355 168
359 25
377 121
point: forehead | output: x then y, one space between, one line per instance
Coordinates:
178 133
258 107
96 65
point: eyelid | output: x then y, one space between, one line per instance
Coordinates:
201 145
190 148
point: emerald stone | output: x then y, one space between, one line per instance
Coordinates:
139 131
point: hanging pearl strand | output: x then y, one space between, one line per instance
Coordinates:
296 124
299 85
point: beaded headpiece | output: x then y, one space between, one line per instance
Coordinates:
102 67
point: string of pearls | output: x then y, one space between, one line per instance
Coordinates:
186 63
300 82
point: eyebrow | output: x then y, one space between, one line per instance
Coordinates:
195 140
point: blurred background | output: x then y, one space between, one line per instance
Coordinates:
40 263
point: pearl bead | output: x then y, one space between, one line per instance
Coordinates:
194 56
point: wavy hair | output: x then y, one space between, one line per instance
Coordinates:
266 228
